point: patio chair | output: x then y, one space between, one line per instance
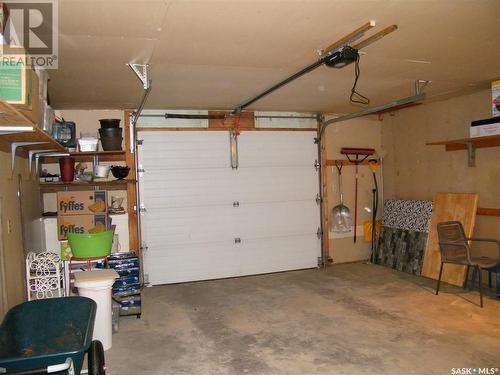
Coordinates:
455 249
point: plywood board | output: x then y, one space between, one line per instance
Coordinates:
446 207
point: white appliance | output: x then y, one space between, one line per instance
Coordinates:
41 235
121 222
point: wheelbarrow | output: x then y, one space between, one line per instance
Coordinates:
50 336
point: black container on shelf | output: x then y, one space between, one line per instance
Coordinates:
111 143
119 172
109 123
64 132
110 132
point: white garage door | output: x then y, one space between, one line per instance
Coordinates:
204 220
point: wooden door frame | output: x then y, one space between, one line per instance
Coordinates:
3 290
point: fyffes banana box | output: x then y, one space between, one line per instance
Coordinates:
81 202
80 224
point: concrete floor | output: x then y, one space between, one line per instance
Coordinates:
350 319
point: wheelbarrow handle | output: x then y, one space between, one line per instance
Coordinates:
66 366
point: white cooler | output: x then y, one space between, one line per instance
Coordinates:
97 286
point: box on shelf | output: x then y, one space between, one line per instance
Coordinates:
484 128
80 224
81 202
495 97
66 253
14 81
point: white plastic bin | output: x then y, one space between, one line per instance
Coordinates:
97 286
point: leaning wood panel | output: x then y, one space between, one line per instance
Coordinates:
448 206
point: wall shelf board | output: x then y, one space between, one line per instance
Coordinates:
469 144
461 144
484 211
86 184
90 156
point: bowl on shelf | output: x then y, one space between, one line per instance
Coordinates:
109 123
86 176
120 172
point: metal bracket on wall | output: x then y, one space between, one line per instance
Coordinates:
471 153
31 153
142 72
316 165
13 149
233 144
44 154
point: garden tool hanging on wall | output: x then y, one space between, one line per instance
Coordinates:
340 217
356 156
373 163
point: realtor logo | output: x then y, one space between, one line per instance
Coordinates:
33 26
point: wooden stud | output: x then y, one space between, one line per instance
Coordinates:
367 26
346 162
160 129
244 120
326 213
132 208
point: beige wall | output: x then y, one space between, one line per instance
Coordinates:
416 171
363 133
13 256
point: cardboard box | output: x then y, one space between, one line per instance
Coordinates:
495 97
484 128
88 202
79 224
15 81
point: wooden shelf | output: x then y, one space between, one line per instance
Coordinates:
346 162
83 183
469 144
36 135
12 118
461 144
89 156
483 211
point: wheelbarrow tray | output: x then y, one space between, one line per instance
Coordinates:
45 332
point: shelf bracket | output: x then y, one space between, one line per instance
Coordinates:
142 72
43 154
13 150
471 153
31 153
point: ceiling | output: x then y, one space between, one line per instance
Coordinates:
211 54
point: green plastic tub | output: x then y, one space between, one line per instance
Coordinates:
91 245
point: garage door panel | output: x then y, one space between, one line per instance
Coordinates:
278 254
273 219
192 224
184 150
185 188
276 148
276 184
192 262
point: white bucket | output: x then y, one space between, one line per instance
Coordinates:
101 171
100 292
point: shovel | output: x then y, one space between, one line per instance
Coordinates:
340 217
